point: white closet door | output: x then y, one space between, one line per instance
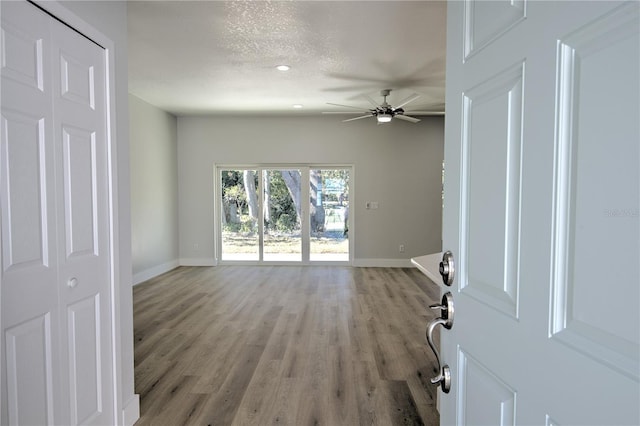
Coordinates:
30 313
79 123
56 263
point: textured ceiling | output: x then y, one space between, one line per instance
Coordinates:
215 57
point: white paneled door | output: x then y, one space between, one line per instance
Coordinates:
542 212
57 357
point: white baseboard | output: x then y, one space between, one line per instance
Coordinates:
382 263
366 263
193 261
131 411
154 272
360 263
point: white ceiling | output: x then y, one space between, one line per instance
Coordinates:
219 57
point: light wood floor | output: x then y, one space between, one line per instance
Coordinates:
280 345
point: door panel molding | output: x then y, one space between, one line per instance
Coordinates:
29 372
589 217
80 189
491 163
77 81
27 70
85 363
485 22
494 400
24 229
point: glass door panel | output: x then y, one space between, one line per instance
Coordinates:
329 214
281 214
239 215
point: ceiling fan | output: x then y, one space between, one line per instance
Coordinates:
384 112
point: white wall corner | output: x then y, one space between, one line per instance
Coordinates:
382 263
155 271
194 261
131 411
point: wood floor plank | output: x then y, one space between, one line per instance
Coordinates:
402 407
284 345
287 396
260 393
367 379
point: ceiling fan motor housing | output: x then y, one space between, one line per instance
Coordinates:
388 111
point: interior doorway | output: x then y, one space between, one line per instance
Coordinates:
284 214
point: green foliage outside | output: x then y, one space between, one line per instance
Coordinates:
247 226
282 211
283 216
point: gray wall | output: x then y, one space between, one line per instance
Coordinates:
398 165
154 190
110 18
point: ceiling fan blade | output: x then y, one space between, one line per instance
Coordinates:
407 100
349 106
406 118
371 100
343 112
425 112
357 118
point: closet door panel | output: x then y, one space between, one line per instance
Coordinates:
85 360
80 129
24 192
30 338
29 369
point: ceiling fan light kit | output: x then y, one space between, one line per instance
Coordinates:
383 112
384 118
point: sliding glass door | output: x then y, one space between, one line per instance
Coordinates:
329 218
264 215
281 196
240 239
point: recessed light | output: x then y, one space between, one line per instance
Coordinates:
297 106
283 67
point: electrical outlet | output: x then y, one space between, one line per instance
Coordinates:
196 246
401 248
